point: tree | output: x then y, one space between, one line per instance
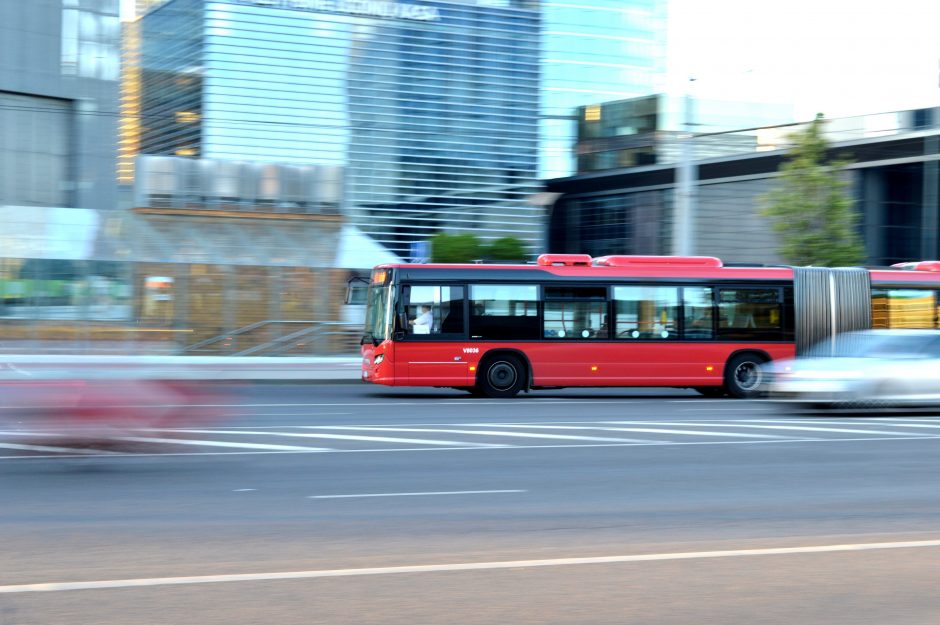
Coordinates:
455 248
811 208
506 248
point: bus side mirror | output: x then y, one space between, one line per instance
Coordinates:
402 321
356 289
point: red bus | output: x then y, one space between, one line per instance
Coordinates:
572 320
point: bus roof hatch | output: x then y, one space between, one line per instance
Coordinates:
924 265
661 261
566 260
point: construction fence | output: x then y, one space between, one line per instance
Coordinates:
51 305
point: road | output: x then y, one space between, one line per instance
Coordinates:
355 504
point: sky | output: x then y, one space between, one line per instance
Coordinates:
837 57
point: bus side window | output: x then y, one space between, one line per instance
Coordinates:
433 310
646 312
697 303
903 308
750 313
575 312
504 311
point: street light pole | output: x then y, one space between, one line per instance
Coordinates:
686 187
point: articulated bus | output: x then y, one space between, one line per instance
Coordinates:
572 320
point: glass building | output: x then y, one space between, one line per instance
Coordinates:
594 52
59 69
429 108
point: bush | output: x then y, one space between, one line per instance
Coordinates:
455 248
506 248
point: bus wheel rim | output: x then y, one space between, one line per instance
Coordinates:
748 375
502 376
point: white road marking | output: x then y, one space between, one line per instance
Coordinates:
54 449
928 419
468 402
902 424
289 414
345 437
715 400
425 494
146 582
462 447
201 443
724 409
804 428
571 437
650 430
244 490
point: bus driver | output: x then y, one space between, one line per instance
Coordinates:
422 324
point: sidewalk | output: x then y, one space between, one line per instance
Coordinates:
323 369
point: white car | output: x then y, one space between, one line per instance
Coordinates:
871 369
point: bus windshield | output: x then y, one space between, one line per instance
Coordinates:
377 313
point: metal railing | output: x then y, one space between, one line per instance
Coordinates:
315 338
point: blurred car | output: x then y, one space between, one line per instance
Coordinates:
102 410
867 370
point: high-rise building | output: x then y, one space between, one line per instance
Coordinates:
594 52
429 108
59 66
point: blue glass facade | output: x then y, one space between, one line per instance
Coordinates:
431 108
594 52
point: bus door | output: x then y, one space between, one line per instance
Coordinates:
431 333
575 328
663 335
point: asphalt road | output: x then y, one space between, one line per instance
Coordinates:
357 504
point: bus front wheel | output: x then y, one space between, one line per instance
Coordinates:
502 376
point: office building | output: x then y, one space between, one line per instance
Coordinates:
429 110
645 130
594 52
895 183
59 70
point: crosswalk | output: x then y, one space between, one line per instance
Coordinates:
346 438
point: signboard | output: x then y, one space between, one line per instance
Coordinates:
420 251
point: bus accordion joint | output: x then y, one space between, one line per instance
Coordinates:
924 265
565 260
658 261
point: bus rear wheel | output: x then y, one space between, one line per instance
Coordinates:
502 376
744 376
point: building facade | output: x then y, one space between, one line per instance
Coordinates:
894 171
429 109
59 70
594 52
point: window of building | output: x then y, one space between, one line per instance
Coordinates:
750 313
576 313
697 313
433 310
504 311
646 312
904 308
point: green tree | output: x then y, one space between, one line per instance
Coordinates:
811 208
455 248
506 248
